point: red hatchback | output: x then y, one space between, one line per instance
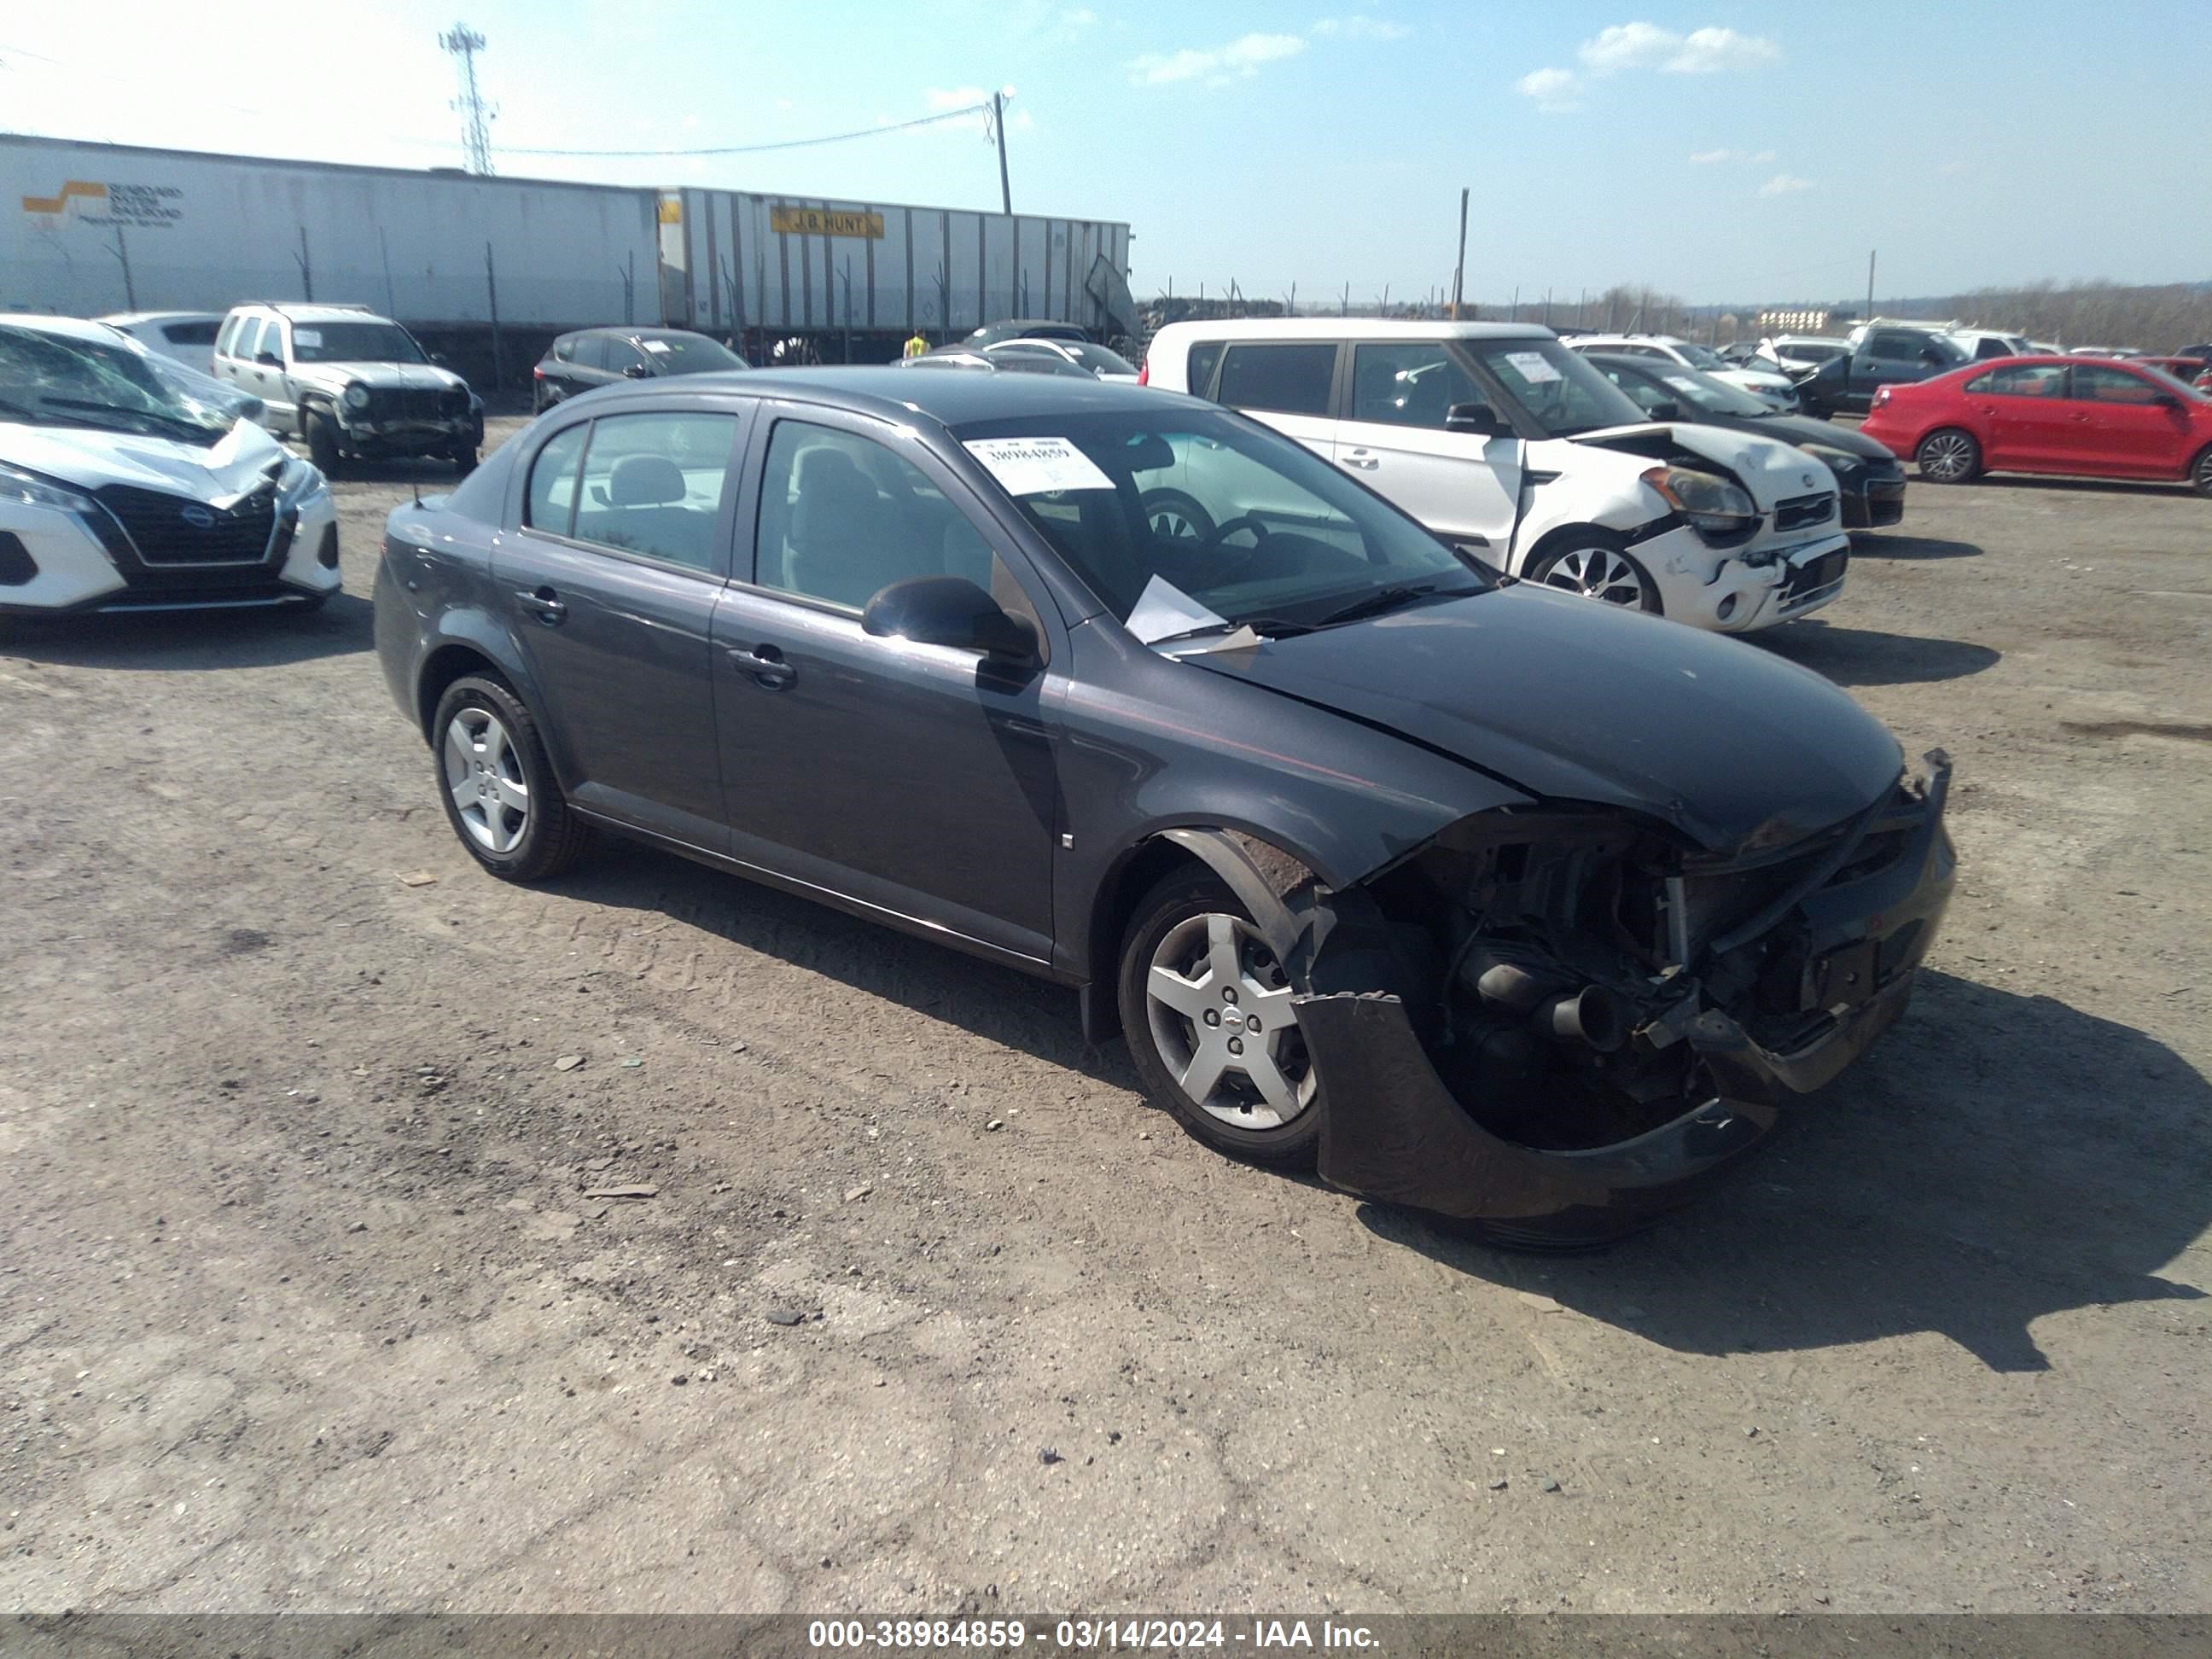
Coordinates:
2098 417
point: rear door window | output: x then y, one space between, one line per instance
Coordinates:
1285 378
2021 380
656 485
1197 372
592 351
247 343
551 502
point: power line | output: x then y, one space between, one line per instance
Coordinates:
754 149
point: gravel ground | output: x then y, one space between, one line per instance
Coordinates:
307 1300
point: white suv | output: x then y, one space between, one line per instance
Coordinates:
1769 385
1509 445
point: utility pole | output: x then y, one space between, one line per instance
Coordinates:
464 44
1870 310
1345 308
999 126
1459 271
122 253
1547 307
492 292
1516 303
307 271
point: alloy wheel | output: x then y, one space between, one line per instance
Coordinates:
484 775
1220 1008
1947 457
1597 572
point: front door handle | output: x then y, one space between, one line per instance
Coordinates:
1363 461
546 604
766 666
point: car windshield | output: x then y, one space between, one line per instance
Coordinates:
2169 381
1706 394
688 353
1195 522
1698 357
353 342
53 379
1563 393
1098 359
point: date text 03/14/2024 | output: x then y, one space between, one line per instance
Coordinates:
1108 1635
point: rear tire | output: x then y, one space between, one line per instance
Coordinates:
322 444
497 784
1948 455
2200 471
1188 940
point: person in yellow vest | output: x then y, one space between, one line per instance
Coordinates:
917 346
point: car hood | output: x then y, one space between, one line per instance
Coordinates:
1805 429
216 473
338 376
1771 379
1770 469
1735 748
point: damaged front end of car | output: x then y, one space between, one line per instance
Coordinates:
1551 1024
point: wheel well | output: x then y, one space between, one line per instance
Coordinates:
1145 868
1570 532
448 664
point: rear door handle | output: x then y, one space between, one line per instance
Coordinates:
546 604
1363 461
766 666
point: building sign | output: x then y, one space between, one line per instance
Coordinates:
820 221
140 207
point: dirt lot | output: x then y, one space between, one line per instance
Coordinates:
303 1303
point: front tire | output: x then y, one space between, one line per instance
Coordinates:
2200 471
497 784
1594 564
322 444
1948 455
1206 1010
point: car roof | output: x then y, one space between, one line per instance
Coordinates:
130 319
301 312
891 393
68 328
636 331
1598 339
1348 328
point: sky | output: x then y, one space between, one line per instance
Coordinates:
1723 154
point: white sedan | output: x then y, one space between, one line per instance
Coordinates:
122 489
1770 386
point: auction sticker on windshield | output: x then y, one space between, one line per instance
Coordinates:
1533 368
1038 466
306 336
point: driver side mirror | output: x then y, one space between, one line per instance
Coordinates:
268 359
1929 354
948 611
441 359
636 372
1665 409
1480 419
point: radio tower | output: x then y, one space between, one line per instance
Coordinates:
464 43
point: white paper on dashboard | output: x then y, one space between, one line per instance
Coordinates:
655 345
1038 466
306 336
1163 610
1533 369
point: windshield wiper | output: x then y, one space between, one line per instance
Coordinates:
1273 628
1382 599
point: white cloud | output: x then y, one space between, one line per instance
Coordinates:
938 99
1782 184
1081 18
1555 90
1648 46
1705 158
1360 27
1240 58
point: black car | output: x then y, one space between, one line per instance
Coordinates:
593 357
1870 479
1514 910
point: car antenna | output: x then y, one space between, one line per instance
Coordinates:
417 485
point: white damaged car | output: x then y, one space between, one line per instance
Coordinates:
1511 446
130 483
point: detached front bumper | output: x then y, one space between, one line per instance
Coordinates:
1392 1131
